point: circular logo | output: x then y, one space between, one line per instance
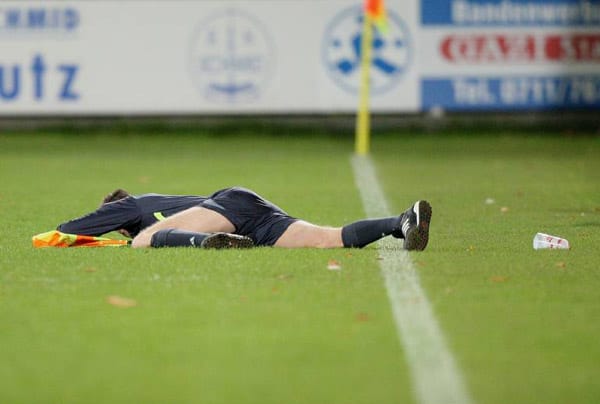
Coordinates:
231 57
390 54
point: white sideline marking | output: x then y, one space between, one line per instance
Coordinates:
436 378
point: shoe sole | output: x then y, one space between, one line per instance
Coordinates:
226 240
418 237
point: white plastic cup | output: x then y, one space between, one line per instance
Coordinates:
542 240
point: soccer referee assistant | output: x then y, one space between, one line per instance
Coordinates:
237 218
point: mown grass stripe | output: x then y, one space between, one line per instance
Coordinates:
435 377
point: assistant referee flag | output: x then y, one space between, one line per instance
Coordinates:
376 10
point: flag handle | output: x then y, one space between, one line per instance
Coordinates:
362 138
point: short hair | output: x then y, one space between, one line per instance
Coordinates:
115 195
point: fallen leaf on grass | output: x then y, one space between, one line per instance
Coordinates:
499 279
334 265
90 269
362 317
561 264
490 201
122 302
504 209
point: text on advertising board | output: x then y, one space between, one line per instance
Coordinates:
46 19
510 12
474 48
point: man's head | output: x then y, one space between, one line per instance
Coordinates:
116 195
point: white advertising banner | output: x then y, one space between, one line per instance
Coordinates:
182 57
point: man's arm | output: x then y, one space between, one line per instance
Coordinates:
112 216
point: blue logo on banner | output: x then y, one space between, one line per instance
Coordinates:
231 57
391 54
511 93
510 12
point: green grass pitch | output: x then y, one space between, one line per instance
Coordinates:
277 326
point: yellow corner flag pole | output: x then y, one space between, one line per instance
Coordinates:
363 124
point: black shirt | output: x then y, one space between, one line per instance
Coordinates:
133 214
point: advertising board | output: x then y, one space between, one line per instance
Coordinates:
510 54
179 57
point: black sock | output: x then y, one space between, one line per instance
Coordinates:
363 232
177 238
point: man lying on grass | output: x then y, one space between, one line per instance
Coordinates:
237 218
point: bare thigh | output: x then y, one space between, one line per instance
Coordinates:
196 219
303 234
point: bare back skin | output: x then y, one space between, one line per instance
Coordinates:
201 220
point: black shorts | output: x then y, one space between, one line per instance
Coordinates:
252 216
